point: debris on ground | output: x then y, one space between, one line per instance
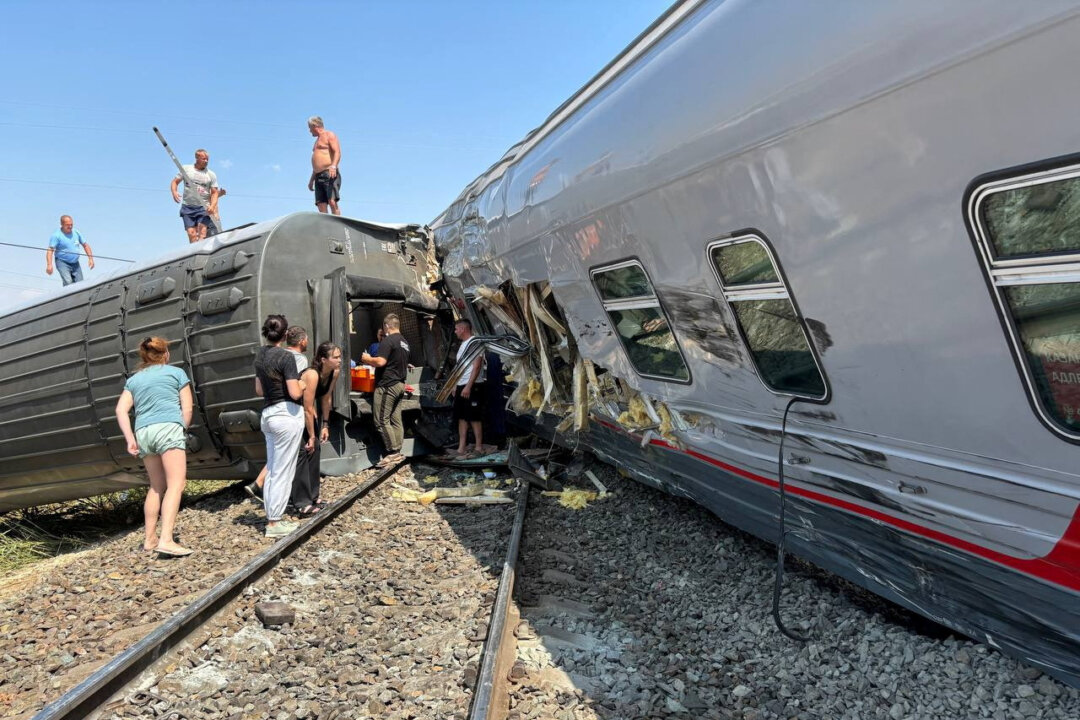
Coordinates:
273 613
596 481
572 497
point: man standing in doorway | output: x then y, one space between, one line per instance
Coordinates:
325 161
469 393
200 197
391 368
64 245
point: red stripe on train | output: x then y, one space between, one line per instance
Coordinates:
1060 566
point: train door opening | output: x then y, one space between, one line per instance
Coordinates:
357 309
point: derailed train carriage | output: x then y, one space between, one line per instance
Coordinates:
64 360
851 234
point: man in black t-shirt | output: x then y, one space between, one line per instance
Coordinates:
391 365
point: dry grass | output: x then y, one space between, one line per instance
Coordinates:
31 535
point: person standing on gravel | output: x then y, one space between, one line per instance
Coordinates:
296 342
318 381
278 383
391 368
162 399
469 394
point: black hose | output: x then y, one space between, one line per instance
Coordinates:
778 584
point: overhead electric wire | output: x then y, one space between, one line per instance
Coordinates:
43 249
36 276
142 189
24 287
162 190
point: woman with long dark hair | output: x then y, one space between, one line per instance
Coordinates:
318 380
278 383
162 399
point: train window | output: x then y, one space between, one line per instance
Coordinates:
638 318
767 317
621 283
744 263
1034 219
1027 231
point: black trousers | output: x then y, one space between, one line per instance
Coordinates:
306 481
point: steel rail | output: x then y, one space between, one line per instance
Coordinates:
482 706
94 691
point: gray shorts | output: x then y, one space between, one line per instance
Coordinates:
159 437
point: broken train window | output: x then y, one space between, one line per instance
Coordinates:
767 318
639 320
1027 231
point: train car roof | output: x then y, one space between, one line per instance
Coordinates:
210 245
640 45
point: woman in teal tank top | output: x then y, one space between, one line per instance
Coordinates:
162 399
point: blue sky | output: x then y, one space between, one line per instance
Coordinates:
424 95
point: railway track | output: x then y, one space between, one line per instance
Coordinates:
638 606
399 609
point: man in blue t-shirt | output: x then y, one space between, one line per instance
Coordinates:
65 245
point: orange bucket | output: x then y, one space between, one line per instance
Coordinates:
362 379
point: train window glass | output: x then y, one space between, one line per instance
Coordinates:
639 320
1034 219
744 263
649 342
767 317
624 282
1027 231
779 346
1047 319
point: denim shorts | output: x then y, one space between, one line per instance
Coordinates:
159 437
193 215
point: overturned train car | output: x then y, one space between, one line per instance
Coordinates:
65 359
854 241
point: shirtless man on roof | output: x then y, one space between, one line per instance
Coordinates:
325 159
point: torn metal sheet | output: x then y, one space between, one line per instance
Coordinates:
497 304
541 313
504 345
524 470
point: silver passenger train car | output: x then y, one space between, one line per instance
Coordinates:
65 359
850 230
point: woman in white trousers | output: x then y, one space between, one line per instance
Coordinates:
278 383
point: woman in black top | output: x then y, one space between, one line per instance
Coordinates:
277 381
318 380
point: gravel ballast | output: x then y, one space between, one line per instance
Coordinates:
643 605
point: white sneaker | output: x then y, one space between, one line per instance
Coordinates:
281 529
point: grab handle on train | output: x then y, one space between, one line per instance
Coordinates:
240 421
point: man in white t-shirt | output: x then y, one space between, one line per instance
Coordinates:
199 205
469 393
